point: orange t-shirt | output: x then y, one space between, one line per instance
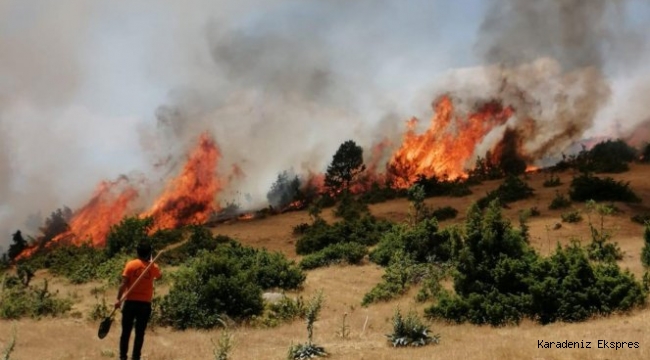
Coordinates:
143 290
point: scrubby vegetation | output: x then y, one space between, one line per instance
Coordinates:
226 281
410 330
511 190
19 299
611 156
553 181
349 253
588 187
424 242
572 216
309 350
366 230
559 202
501 280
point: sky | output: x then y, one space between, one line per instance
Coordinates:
90 90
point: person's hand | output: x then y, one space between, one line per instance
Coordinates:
118 304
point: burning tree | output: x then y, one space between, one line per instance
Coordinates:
284 190
347 165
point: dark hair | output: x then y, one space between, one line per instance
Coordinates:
144 250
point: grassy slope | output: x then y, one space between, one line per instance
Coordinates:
344 287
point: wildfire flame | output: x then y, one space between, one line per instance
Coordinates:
190 198
446 147
93 221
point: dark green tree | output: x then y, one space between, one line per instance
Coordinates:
19 244
284 190
128 234
347 165
645 253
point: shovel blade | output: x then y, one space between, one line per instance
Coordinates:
104 327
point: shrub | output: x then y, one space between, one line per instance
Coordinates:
434 186
350 253
19 300
378 193
645 252
200 239
349 208
559 202
553 181
126 235
641 218
568 288
300 229
588 187
600 249
285 310
609 157
410 331
228 280
367 231
501 280
400 275
423 242
309 349
512 189
571 216
444 213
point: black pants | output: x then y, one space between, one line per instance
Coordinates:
138 312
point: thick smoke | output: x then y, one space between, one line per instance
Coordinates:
552 57
92 90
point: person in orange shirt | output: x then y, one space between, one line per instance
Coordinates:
137 304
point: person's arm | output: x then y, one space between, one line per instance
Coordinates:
123 287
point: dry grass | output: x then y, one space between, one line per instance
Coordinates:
344 288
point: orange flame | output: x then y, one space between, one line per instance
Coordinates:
190 198
445 148
93 221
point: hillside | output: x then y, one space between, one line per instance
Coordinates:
344 287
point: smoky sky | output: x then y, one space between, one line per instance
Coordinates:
93 90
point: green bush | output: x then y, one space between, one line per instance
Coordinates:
400 275
641 218
309 350
559 202
349 208
444 213
20 301
410 331
588 187
285 310
501 280
349 253
126 235
226 281
367 231
424 242
434 186
645 252
609 157
572 216
511 190
200 238
568 288
553 181
378 193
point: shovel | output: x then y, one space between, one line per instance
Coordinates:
105 325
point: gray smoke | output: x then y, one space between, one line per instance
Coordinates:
92 90
553 57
